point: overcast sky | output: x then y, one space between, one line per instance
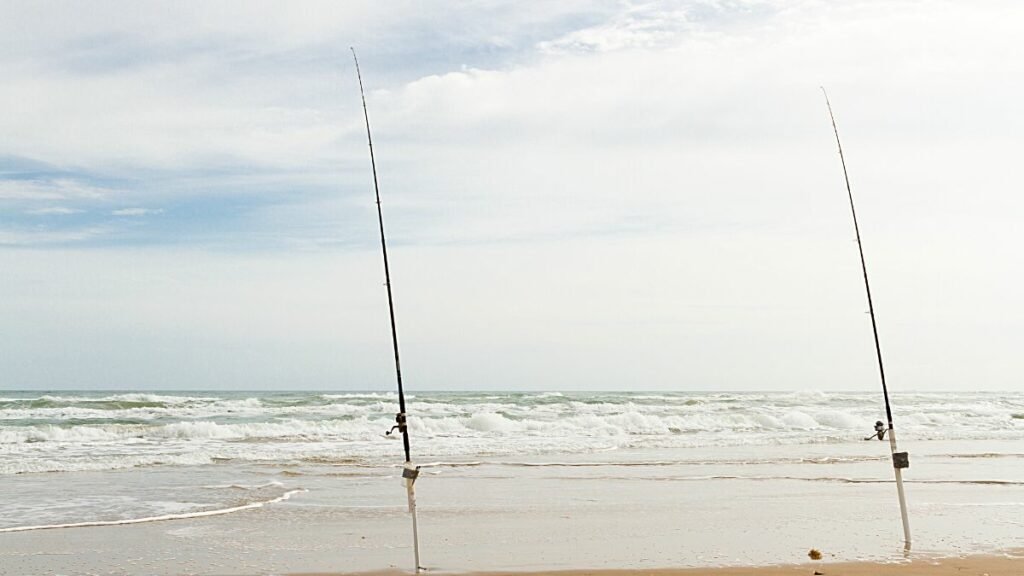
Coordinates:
578 194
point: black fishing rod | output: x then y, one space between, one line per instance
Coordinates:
900 460
409 472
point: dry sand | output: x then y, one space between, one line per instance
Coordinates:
1009 565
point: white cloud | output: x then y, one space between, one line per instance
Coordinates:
638 25
55 189
54 211
724 127
192 86
137 211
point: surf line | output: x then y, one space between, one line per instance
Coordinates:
409 471
182 516
900 460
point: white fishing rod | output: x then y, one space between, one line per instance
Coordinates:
409 471
900 460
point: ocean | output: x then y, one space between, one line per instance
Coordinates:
549 466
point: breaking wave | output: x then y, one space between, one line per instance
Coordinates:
93 431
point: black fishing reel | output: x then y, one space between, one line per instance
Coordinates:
400 419
880 430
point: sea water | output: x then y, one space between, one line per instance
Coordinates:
541 469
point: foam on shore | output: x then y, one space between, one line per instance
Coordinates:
161 518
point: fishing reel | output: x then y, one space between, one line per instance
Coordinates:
880 430
400 419
900 460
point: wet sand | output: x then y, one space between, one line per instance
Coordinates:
718 513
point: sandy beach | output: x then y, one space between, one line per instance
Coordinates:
1011 564
969 566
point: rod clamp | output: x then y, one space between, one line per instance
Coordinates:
900 460
410 472
401 426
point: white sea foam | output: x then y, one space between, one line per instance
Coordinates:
155 398
161 518
69 432
270 484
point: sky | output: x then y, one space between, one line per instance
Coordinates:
581 195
